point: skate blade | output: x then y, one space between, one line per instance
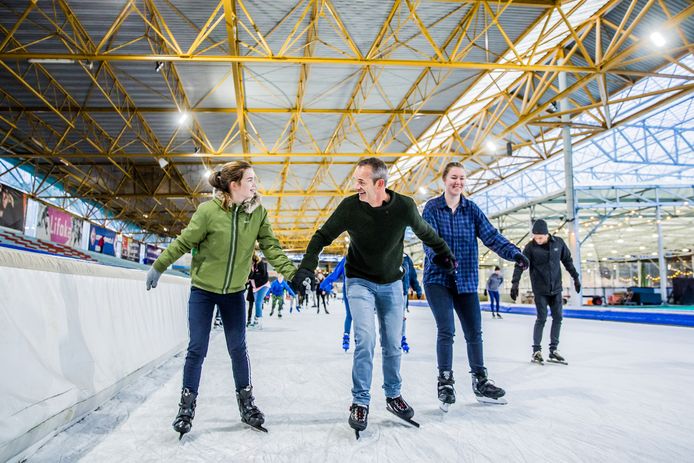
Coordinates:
406 420
489 400
559 362
181 436
535 361
444 407
258 428
356 432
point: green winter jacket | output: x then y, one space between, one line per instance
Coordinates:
225 239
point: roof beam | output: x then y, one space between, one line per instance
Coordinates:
413 63
231 21
224 156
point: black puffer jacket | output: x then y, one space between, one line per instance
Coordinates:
545 272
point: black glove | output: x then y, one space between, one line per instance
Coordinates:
303 281
514 293
577 285
485 292
446 262
419 295
521 261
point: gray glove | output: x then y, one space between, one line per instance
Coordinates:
152 278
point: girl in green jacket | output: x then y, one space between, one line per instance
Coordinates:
224 231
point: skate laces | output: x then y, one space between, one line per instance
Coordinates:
359 412
399 403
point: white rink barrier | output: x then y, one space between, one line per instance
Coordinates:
72 334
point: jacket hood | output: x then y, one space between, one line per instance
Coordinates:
248 205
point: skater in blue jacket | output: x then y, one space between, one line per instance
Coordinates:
277 289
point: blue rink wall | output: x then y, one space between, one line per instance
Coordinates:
630 315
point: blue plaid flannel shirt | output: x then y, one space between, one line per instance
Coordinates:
460 230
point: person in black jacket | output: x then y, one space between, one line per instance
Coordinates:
545 252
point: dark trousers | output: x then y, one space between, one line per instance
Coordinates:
444 302
494 300
541 303
200 308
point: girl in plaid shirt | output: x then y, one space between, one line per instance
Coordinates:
460 222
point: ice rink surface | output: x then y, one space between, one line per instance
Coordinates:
626 395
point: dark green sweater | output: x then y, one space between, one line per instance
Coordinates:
375 237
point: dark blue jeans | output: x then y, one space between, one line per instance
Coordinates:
233 309
494 300
443 302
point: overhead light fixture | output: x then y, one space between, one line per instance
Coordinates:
166 229
145 216
50 61
685 250
658 39
491 146
158 65
162 162
422 190
183 119
64 161
196 149
208 172
552 108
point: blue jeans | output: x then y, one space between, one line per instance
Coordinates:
233 309
387 299
443 302
259 298
494 299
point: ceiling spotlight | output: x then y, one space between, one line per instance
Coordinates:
162 162
145 216
491 146
552 108
208 172
685 250
658 39
166 229
158 65
183 118
422 190
196 149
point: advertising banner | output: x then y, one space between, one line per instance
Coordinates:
58 226
102 240
12 207
130 249
152 253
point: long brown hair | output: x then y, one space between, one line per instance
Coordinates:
230 172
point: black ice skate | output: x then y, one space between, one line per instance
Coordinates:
446 390
358 418
485 390
250 414
186 412
555 357
537 358
398 407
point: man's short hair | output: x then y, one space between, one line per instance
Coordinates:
378 168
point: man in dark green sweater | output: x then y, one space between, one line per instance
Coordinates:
376 219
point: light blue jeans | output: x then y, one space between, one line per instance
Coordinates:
388 301
259 297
